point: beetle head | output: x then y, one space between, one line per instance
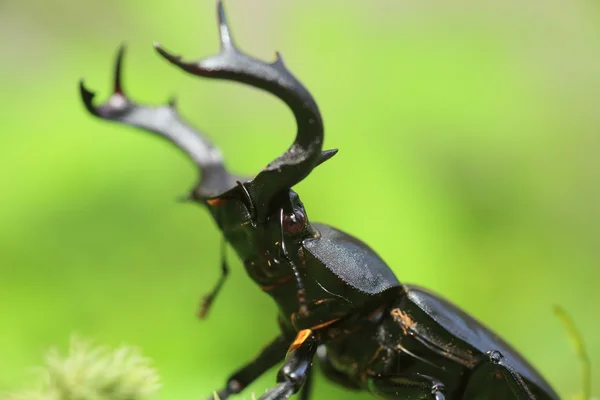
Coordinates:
265 246
255 214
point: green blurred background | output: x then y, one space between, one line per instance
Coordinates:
469 160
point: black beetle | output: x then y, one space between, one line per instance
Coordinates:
337 298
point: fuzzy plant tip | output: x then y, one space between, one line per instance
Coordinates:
92 372
216 396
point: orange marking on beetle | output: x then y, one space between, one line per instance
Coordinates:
375 355
320 301
300 338
217 201
324 324
404 320
283 280
293 319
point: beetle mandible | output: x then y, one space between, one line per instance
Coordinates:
337 299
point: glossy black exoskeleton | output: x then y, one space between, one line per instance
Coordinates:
338 300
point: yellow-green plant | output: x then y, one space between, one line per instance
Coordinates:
580 350
91 372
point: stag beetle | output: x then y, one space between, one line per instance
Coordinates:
337 299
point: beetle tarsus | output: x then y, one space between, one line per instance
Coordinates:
208 300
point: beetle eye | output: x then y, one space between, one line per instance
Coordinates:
294 222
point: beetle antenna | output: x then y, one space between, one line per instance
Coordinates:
208 300
303 308
580 349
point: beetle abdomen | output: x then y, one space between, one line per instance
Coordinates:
443 319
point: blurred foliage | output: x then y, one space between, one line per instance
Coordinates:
91 372
580 350
468 136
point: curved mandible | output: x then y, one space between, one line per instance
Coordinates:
164 121
305 153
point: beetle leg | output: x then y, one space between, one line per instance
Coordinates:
280 392
406 386
273 353
333 374
493 378
306 390
295 370
208 300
